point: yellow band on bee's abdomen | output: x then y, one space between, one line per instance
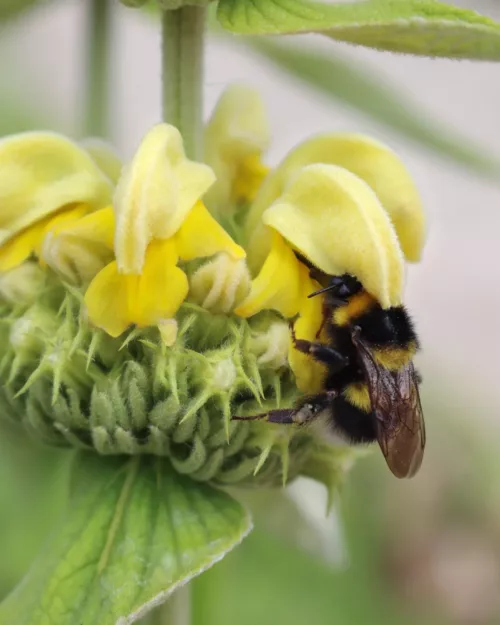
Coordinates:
394 358
357 395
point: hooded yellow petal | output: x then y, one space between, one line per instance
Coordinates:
372 161
336 221
79 250
279 283
235 137
155 193
309 374
42 172
201 235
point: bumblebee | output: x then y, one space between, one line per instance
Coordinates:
371 386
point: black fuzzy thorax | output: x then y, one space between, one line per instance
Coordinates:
391 327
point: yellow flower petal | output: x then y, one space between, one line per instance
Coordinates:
154 194
336 221
201 235
279 283
104 156
28 241
162 286
115 301
235 137
372 161
248 179
108 300
21 247
79 250
309 374
59 221
42 172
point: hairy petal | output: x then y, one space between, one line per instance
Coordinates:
336 221
154 195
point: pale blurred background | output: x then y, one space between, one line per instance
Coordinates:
454 294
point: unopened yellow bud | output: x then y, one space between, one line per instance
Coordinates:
22 284
221 284
235 139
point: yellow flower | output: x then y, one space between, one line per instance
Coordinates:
159 221
45 179
236 136
347 205
368 159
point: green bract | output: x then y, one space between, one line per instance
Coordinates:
69 384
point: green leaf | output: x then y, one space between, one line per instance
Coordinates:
344 81
422 27
134 532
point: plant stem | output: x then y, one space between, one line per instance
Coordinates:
182 74
177 610
95 117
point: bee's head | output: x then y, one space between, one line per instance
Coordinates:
344 286
340 289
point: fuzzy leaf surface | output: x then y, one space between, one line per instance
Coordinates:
419 27
134 531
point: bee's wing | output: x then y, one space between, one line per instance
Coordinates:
396 404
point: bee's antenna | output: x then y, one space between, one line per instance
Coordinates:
324 290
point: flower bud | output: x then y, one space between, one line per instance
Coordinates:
23 284
221 284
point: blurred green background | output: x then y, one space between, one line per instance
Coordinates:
419 552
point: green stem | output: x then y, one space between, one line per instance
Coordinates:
95 115
182 74
177 610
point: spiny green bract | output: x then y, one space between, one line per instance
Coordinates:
70 384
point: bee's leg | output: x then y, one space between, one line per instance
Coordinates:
322 353
284 416
308 409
